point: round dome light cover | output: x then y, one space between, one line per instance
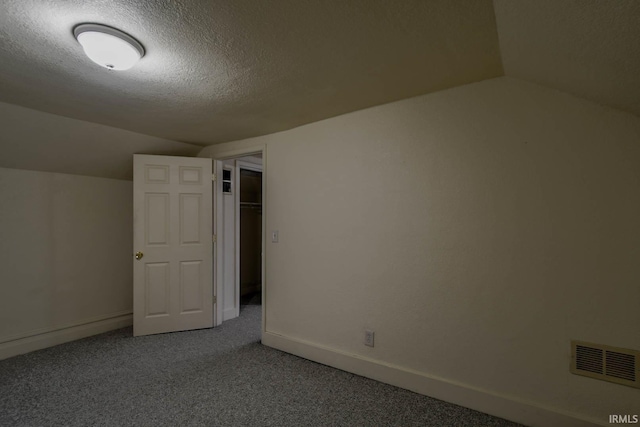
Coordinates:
108 47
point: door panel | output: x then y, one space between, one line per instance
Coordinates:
190 219
190 286
173 288
157 218
157 289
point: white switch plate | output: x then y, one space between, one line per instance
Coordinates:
274 236
369 338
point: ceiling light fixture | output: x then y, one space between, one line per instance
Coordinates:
108 47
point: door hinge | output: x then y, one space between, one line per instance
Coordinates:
213 177
215 299
214 238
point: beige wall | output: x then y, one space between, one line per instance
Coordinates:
65 251
66 240
476 230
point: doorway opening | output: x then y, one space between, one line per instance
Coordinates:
241 235
250 233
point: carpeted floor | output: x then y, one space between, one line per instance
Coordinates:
210 377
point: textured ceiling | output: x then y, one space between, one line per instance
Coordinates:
225 70
590 48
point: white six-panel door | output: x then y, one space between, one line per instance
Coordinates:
172 244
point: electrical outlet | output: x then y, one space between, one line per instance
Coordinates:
368 338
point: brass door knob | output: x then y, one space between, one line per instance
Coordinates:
139 255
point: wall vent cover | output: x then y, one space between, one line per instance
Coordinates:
618 365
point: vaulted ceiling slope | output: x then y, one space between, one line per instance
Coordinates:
218 70
590 48
45 142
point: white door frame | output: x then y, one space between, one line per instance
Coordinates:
243 164
217 213
218 155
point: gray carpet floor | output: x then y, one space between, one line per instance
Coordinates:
211 377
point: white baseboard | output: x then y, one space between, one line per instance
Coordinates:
508 407
48 338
